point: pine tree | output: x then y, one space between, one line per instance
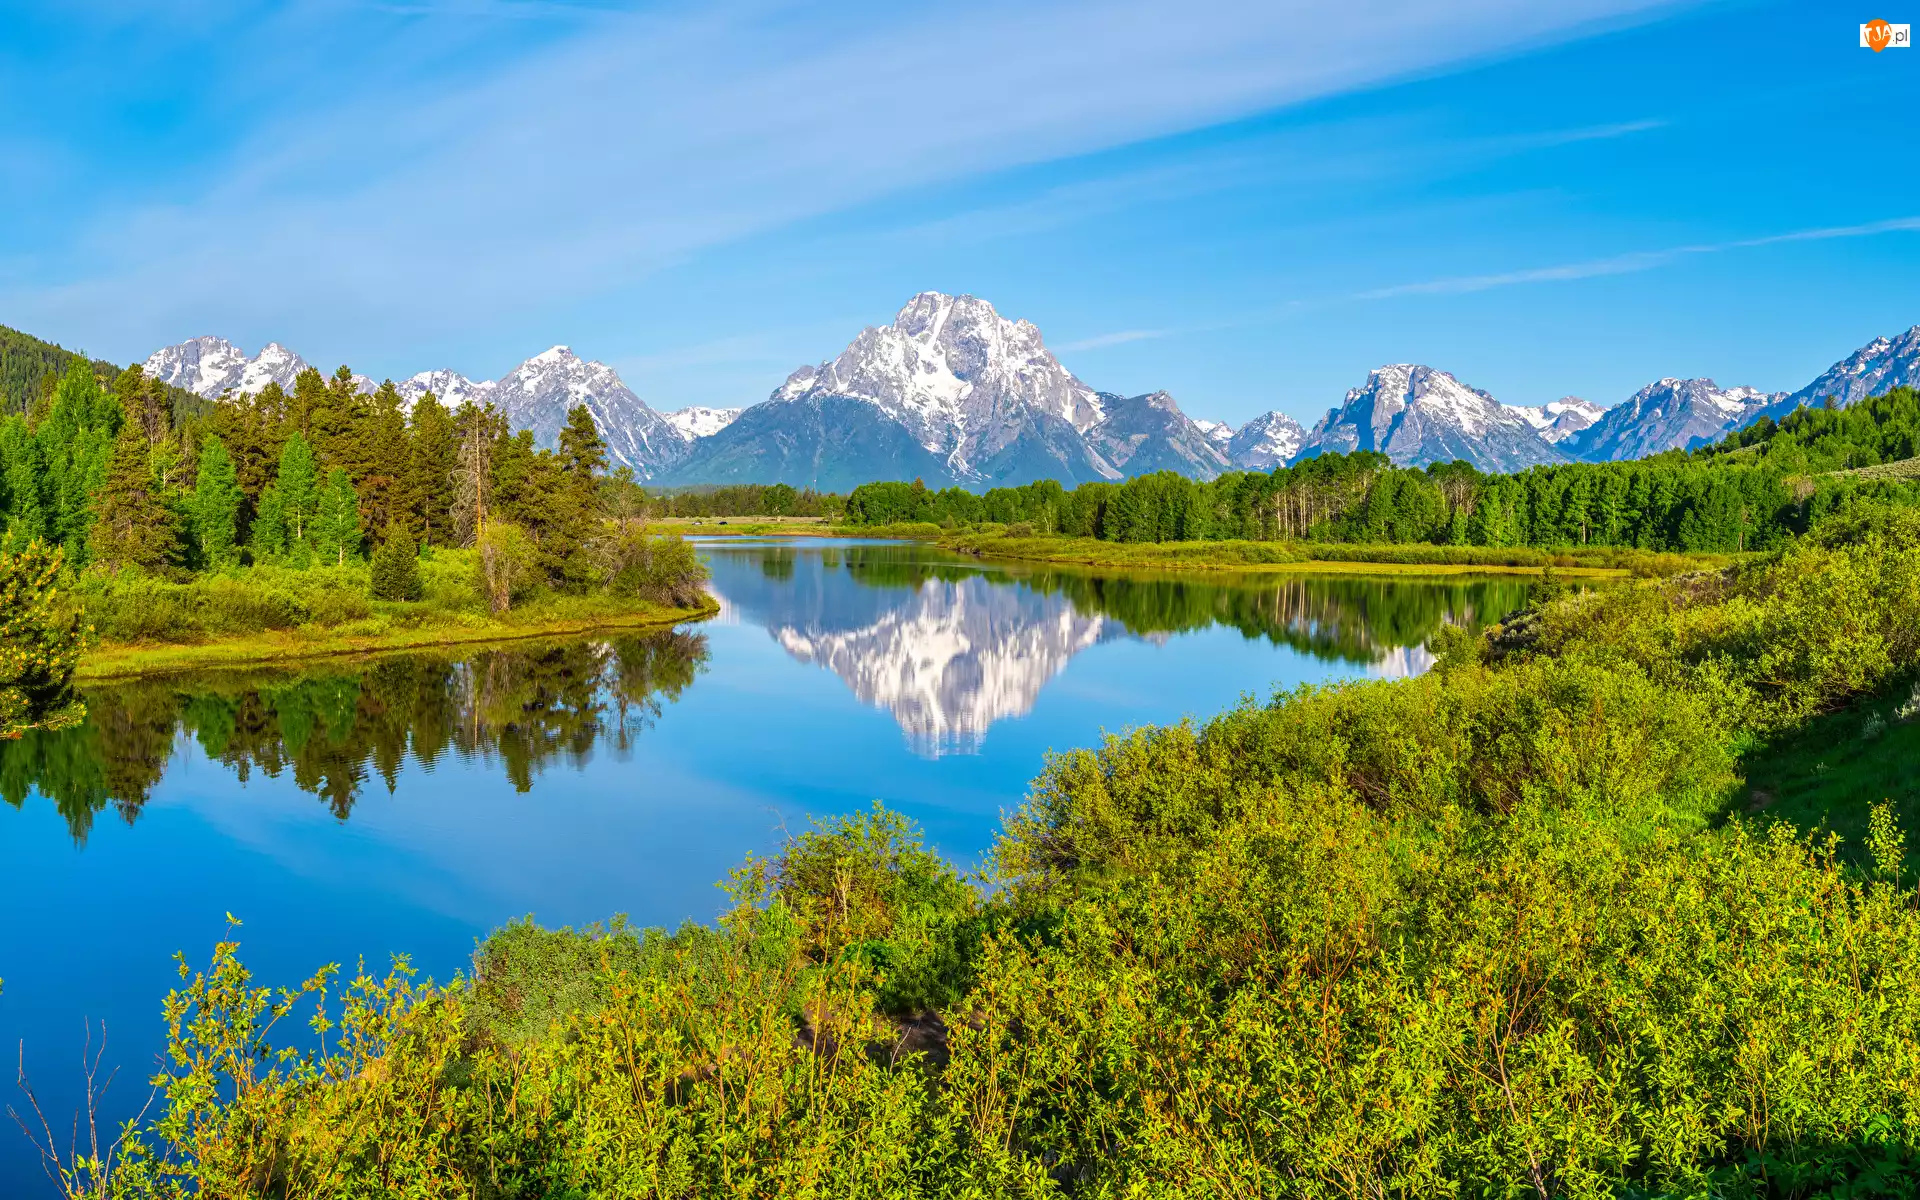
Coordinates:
341 426
395 574
433 453
581 447
308 398
216 506
480 431
383 491
336 520
133 526
25 485
298 484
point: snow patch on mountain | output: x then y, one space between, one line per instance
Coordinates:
1417 415
1269 440
448 387
696 421
1879 366
537 394
1218 432
1667 414
965 381
1560 420
214 366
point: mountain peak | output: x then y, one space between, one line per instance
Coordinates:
1416 415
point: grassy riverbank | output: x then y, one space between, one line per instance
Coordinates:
269 614
994 542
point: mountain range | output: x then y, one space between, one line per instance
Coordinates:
954 394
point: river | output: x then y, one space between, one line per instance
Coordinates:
350 810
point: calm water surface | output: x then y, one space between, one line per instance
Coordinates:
412 803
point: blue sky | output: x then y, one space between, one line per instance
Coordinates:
1246 203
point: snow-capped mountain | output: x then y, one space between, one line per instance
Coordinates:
450 388
1144 434
1668 414
212 366
1560 420
1416 415
698 422
956 373
537 394
1879 366
1218 432
950 393
1269 440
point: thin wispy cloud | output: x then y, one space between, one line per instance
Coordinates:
597 159
1627 264
1119 338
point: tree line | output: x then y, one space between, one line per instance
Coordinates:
117 476
1753 491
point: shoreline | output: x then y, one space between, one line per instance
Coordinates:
114 662
1186 557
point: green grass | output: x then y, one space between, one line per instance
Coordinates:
273 614
1417 559
1829 774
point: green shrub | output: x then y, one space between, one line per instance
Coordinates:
395 571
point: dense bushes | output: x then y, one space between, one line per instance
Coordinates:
1490 931
42 633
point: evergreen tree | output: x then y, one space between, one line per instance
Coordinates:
383 491
298 485
25 483
395 572
133 526
433 453
308 398
342 431
216 506
336 520
581 448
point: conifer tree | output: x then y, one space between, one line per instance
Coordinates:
479 429
433 452
336 520
298 484
341 429
383 491
25 485
309 397
133 526
395 573
582 450
215 506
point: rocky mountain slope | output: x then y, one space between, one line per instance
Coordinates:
211 366
1417 415
1667 414
1269 440
979 399
696 421
1562 419
1879 366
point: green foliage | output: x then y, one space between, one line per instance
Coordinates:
1757 489
1500 929
134 528
298 484
335 529
42 634
215 507
395 573
745 500
505 565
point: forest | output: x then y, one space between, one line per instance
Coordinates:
311 508
1753 491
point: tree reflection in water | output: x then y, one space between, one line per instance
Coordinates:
334 726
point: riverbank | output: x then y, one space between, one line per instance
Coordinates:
1300 557
386 631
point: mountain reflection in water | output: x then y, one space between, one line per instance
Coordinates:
335 725
949 646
